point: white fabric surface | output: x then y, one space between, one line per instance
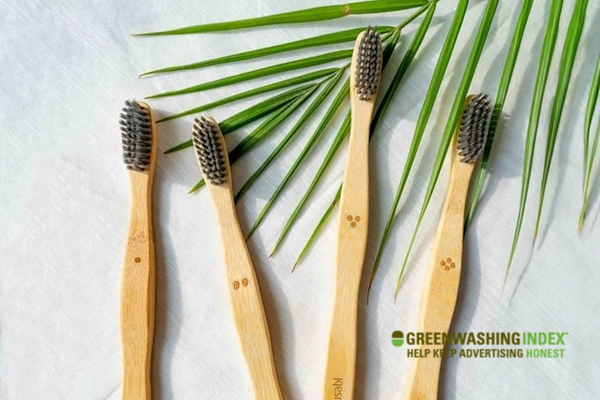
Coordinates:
65 69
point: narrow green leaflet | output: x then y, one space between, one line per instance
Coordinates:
254 92
412 50
259 73
341 136
318 228
588 163
322 13
534 117
453 119
428 103
267 127
337 142
507 73
316 41
589 116
253 113
564 78
331 111
291 134
262 131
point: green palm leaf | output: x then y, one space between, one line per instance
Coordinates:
453 119
321 40
322 13
588 159
329 114
253 113
412 50
295 129
254 92
268 126
260 73
507 73
337 143
566 68
534 117
428 103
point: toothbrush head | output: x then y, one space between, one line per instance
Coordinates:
210 150
136 136
474 128
368 60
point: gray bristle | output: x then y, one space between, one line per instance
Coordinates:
136 136
368 65
474 128
205 136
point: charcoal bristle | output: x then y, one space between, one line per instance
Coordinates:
474 128
368 65
136 136
205 136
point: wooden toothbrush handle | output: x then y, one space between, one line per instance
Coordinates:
248 311
351 248
441 284
137 295
340 369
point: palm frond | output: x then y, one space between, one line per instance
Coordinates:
316 41
310 76
589 155
329 114
253 113
564 78
260 73
291 134
534 117
313 14
505 80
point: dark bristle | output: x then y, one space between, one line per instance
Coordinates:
136 136
205 136
474 128
368 65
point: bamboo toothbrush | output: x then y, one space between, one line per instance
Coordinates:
354 220
442 278
244 292
138 134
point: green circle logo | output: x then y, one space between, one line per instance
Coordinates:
397 338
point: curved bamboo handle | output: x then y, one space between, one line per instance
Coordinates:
137 294
246 301
442 281
351 248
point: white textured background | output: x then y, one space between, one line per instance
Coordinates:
66 67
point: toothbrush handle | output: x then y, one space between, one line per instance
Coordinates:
137 294
352 244
441 285
246 301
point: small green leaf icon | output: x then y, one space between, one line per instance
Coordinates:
397 338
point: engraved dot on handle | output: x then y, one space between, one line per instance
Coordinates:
245 282
137 259
236 285
349 217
